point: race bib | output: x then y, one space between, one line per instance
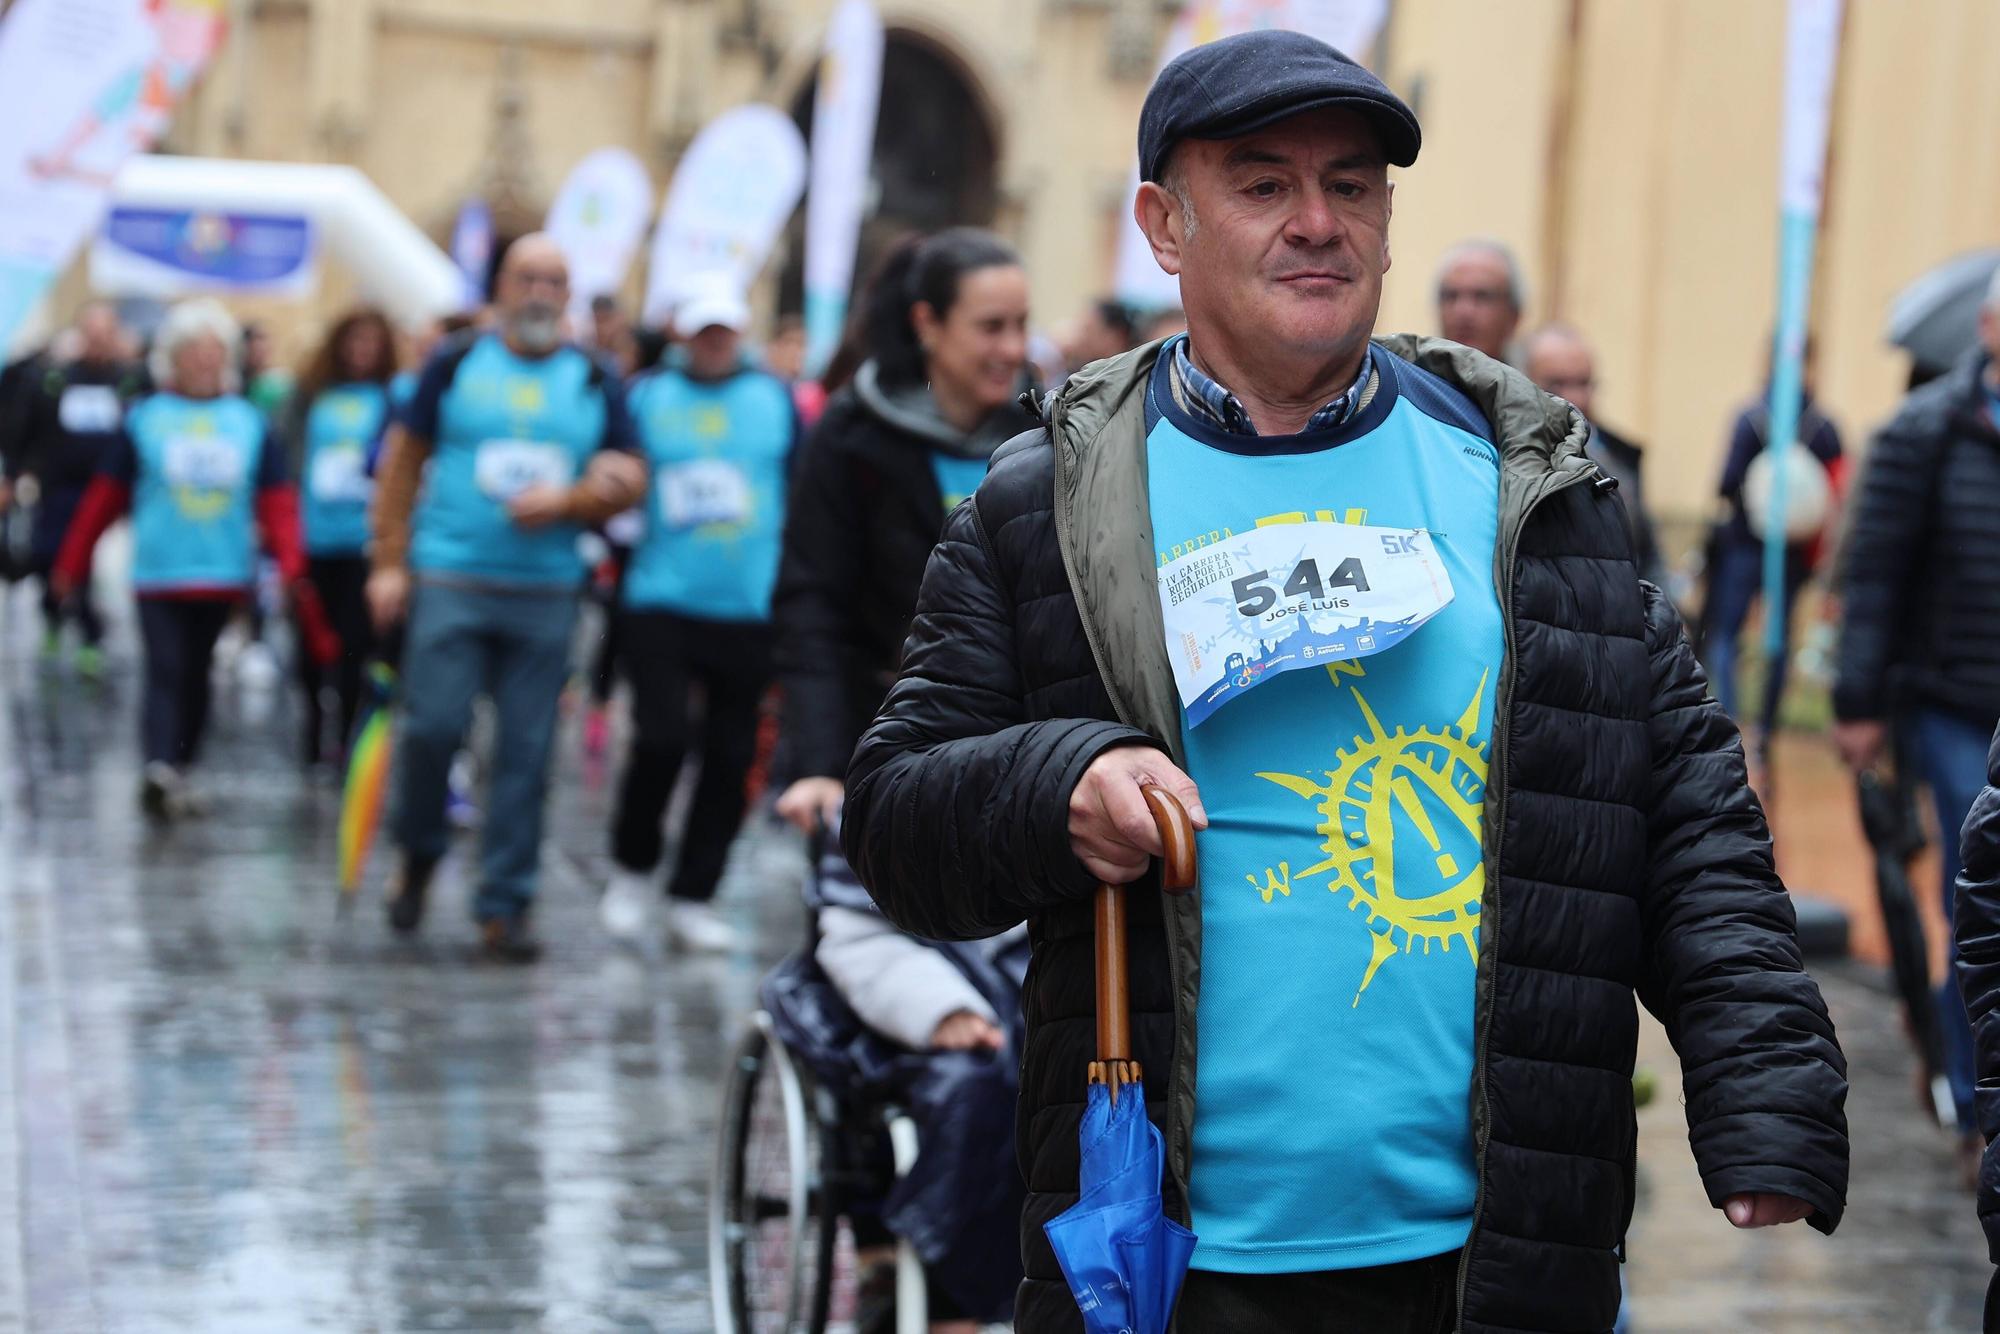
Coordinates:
203 463
1293 595
504 469
89 409
693 495
339 474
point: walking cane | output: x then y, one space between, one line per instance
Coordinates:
1114 1066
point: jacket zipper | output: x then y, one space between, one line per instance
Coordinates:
1169 917
1489 958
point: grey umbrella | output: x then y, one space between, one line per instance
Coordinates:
1936 318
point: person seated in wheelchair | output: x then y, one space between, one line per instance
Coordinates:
932 1028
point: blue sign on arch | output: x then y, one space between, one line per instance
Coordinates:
162 251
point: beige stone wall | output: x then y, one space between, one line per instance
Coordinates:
1655 226
1626 148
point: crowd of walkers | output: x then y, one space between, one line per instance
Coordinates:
444 506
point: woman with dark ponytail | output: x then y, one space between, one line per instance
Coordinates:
944 329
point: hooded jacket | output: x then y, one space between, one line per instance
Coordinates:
864 512
1625 852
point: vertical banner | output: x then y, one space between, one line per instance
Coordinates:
84 84
472 249
731 195
1346 25
1812 50
843 143
599 218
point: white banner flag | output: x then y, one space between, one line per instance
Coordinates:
1349 26
1812 50
843 144
736 186
84 84
599 218
1812 54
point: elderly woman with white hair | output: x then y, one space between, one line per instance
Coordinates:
201 477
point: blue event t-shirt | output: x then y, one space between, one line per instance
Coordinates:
715 508
499 423
343 430
195 467
1341 872
957 477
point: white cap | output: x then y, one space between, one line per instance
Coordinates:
710 305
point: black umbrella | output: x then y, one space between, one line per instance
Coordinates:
1889 816
1936 318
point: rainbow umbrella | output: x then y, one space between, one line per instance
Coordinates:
367 784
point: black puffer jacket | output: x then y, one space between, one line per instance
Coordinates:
1625 851
1976 926
863 514
1920 570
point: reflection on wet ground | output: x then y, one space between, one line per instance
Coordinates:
224 1107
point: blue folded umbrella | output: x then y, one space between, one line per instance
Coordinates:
1123 1257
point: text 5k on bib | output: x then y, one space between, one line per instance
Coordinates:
1279 598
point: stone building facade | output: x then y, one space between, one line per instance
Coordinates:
1627 151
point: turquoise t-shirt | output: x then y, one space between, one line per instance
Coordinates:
499 423
195 467
957 478
715 509
343 431
1341 873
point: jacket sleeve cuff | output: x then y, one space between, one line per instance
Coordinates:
1827 1204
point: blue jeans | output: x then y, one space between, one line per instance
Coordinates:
513 646
1950 753
1734 587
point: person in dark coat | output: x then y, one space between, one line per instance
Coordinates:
1735 583
945 327
70 416
945 335
1388 1042
1920 642
1561 362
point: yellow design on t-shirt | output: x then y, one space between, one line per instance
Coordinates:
1427 772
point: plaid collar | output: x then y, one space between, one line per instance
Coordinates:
1204 397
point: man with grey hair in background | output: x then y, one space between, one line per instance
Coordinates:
1561 361
1920 642
1481 296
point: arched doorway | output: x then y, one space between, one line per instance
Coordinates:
935 158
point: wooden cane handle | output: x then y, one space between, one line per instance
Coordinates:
1177 866
1114 992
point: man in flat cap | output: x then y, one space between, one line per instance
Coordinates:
1368 609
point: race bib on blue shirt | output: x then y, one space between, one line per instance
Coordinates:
338 474
200 462
1279 598
504 469
706 491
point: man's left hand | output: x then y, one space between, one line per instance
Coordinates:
618 479
540 506
1764 1210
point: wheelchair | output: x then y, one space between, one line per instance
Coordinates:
799 1175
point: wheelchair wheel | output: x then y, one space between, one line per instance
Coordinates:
774 1219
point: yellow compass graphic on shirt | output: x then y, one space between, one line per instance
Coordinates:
1413 897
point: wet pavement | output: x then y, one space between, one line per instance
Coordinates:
225 1107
